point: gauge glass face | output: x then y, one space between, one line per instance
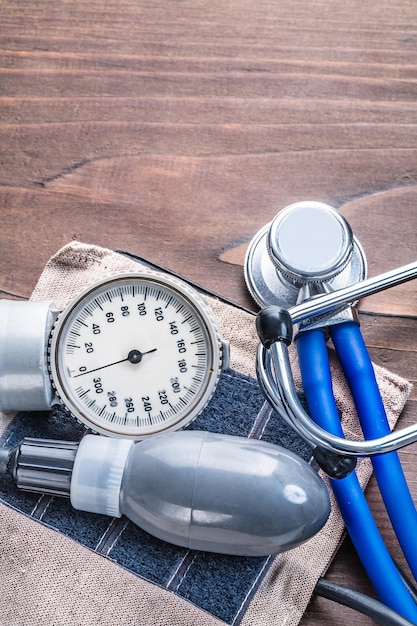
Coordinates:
134 356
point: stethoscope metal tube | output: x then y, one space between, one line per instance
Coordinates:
277 382
280 390
288 406
329 302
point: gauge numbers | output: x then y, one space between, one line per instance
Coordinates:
135 355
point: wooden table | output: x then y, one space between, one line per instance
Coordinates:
175 130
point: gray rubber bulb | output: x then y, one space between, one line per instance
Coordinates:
203 491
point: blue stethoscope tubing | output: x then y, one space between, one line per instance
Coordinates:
356 363
317 384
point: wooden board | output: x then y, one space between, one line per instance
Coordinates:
175 130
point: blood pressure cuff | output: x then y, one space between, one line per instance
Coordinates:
64 567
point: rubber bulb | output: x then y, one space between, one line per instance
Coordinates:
203 491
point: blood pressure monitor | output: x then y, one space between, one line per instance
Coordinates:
132 356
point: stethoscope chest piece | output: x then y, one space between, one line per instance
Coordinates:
306 242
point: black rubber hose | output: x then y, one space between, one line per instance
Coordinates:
361 603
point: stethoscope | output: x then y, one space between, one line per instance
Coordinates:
306 270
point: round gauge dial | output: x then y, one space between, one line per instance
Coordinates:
135 355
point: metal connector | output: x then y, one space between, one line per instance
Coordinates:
42 465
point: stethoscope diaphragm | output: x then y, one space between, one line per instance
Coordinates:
305 242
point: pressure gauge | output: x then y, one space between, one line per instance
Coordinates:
135 355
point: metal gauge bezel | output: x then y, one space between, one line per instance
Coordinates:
184 413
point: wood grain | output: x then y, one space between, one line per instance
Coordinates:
175 130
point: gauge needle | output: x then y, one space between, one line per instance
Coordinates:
134 356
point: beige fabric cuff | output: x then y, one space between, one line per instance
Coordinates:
47 578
